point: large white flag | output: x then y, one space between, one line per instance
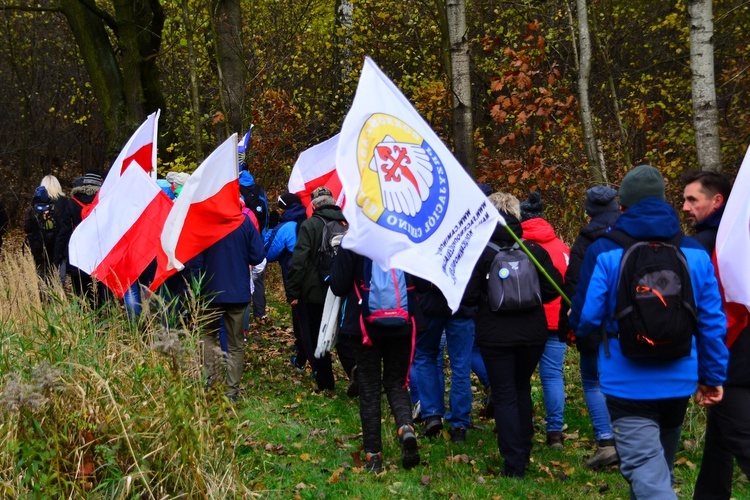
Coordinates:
411 205
316 167
733 240
120 237
140 149
207 209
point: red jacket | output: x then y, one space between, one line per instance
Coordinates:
540 231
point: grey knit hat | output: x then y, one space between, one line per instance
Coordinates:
643 181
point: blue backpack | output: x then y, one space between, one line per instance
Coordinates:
384 296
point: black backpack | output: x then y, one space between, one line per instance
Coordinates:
655 311
255 200
46 217
331 229
512 281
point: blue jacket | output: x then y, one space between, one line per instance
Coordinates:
594 305
227 262
280 240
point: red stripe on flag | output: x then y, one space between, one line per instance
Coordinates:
136 249
206 222
144 157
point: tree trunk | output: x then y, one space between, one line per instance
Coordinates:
227 20
194 91
343 54
596 165
101 64
705 114
463 119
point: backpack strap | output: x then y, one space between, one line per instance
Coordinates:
621 238
274 232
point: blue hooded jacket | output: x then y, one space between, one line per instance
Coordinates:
595 299
280 241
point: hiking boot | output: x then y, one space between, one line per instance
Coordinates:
352 390
374 462
409 450
555 440
458 434
297 363
432 426
605 455
416 412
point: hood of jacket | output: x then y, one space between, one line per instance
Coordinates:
538 229
600 223
87 191
246 178
296 212
330 212
501 234
649 219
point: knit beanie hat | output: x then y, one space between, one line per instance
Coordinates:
286 200
642 182
322 196
600 199
40 194
92 179
533 207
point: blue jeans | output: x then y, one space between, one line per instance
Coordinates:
132 300
477 365
595 401
440 368
459 335
551 373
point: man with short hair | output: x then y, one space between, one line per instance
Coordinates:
647 398
307 291
728 422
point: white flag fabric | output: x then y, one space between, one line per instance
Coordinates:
140 148
733 240
120 237
207 209
316 167
411 205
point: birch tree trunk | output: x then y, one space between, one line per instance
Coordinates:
342 60
463 119
705 113
596 164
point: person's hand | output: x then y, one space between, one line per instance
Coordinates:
294 302
707 396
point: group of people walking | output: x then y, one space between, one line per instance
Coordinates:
394 325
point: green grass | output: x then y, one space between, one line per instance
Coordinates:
93 406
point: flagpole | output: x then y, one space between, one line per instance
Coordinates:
537 264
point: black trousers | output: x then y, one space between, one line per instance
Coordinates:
309 317
727 439
383 364
509 370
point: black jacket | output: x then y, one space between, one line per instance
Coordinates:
505 329
347 269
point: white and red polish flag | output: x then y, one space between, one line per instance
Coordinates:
140 149
410 204
120 236
732 242
316 167
207 209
